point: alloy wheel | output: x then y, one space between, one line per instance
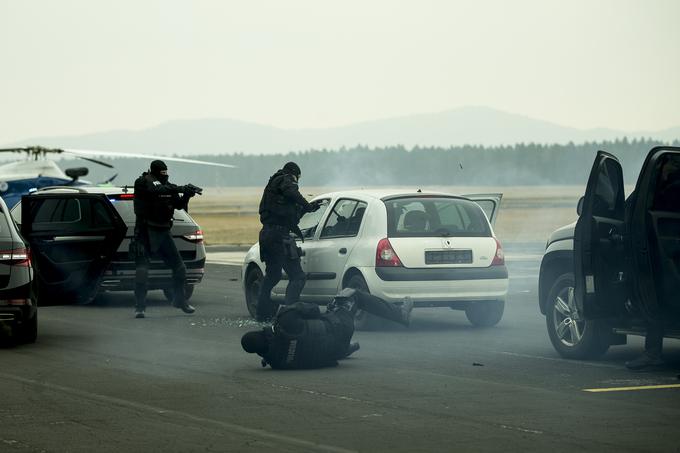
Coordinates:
568 328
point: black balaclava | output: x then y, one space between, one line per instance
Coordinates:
292 169
156 167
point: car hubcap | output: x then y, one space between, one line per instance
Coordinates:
568 330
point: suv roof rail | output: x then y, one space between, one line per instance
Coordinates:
77 189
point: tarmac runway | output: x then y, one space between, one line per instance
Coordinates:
99 380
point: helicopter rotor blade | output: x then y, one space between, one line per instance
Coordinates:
89 152
95 161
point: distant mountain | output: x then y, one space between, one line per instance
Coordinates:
467 125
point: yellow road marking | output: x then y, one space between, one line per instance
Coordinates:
628 389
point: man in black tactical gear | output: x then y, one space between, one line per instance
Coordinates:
302 337
155 202
666 198
281 207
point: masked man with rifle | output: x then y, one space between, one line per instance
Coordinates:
281 207
155 202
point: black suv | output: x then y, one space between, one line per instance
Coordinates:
18 311
602 277
80 237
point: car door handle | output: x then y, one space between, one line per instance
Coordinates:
343 251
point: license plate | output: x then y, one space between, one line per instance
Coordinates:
448 257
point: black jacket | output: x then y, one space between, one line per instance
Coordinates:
155 202
302 337
281 203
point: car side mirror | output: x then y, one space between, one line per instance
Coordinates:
579 206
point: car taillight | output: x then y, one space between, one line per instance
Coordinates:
197 236
16 302
18 257
385 256
499 257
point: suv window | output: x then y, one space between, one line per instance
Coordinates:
345 219
608 200
58 211
310 220
71 213
434 217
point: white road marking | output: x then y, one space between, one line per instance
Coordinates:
293 441
229 258
523 430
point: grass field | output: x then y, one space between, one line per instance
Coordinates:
528 213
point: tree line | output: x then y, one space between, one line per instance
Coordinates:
520 164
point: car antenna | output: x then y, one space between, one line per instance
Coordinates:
419 191
125 188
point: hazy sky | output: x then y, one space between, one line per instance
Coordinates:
78 66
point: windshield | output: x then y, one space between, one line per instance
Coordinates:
435 217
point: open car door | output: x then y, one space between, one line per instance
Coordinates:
655 234
73 237
489 202
599 248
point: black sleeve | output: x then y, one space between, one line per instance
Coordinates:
289 189
145 186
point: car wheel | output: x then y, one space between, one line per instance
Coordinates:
572 339
28 333
485 314
253 283
362 320
169 293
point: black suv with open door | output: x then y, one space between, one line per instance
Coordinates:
18 311
618 266
80 238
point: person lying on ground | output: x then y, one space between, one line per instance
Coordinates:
302 337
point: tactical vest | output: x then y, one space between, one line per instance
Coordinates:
314 346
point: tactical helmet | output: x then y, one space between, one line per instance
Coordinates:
292 168
255 342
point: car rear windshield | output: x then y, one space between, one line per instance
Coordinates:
126 209
434 217
4 226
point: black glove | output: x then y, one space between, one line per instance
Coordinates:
314 206
190 190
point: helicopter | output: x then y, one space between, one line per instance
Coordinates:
37 171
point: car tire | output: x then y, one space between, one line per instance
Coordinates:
362 320
585 339
169 293
28 332
485 314
253 282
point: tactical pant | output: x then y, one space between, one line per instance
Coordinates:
370 304
276 259
158 243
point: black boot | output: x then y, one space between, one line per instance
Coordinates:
353 347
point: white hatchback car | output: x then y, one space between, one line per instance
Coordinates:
437 249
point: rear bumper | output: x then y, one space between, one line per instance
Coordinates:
402 274
14 315
120 276
437 290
